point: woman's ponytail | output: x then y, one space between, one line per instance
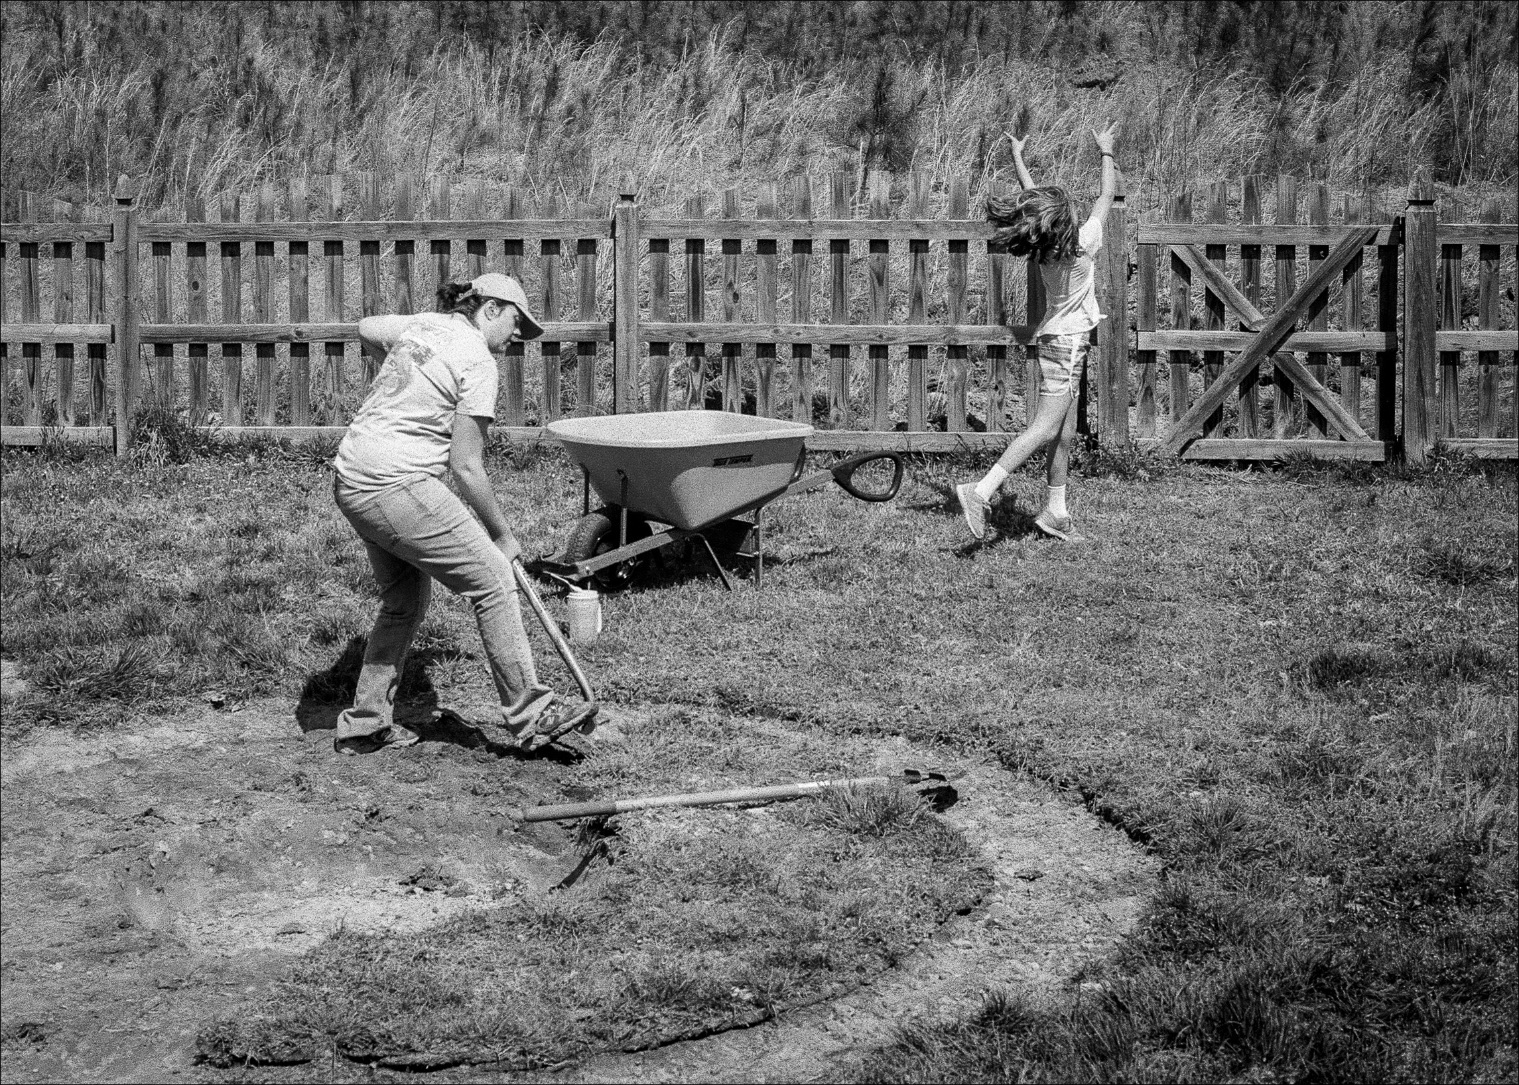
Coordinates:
459 298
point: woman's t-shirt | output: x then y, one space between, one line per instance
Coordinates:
1069 288
439 366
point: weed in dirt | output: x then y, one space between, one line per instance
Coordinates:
868 810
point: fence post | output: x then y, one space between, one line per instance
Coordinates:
625 304
128 362
1419 301
1113 333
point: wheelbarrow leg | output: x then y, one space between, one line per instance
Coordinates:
759 547
715 563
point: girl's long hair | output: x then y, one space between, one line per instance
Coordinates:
1038 222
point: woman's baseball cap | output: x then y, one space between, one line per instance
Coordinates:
505 288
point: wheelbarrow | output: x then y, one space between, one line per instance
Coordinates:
665 477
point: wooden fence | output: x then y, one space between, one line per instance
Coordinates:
886 321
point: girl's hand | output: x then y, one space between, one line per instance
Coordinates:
1017 143
1105 138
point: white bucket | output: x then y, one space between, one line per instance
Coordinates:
585 615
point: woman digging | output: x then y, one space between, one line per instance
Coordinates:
1041 222
426 416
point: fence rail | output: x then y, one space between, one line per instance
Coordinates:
1245 321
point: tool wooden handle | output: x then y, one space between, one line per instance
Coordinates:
550 627
570 811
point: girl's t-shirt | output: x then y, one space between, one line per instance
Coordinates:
439 366
1069 287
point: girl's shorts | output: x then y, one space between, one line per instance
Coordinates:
1062 359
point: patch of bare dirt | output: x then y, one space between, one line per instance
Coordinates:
158 879
152 878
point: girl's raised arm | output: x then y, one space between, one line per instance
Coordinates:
1109 173
1024 177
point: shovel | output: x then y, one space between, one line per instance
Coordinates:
562 646
939 789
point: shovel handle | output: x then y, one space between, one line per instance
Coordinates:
562 646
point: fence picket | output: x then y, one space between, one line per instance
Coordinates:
263 311
1146 312
696 307
957 355
1216 211
440 209
163 353
764 305
802 283
31 309
1250 282
838 305
405 248
1487 317
514 385
95 313
232 313
880 304
917 305
472 209
551 395
1387 321
585 351
733 399
63 313
330 197
300 306
369 267
1181 315
659 312
996 353
1318 308
1284 407
1450 360
1350 311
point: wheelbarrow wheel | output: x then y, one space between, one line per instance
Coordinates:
595 534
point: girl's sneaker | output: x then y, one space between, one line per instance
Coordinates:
975 507
1056 527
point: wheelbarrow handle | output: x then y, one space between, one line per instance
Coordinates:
843 474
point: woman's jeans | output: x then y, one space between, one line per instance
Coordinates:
417 531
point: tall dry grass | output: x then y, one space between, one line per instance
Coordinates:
550 114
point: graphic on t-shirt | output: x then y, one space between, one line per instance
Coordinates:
395 375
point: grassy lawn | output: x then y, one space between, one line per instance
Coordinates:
1297 686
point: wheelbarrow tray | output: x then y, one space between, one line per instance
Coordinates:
687 469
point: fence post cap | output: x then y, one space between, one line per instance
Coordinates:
1420 188
126 189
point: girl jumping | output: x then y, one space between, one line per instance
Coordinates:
1041 222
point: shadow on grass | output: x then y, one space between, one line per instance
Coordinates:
327 693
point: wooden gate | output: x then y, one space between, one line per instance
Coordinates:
1324 356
